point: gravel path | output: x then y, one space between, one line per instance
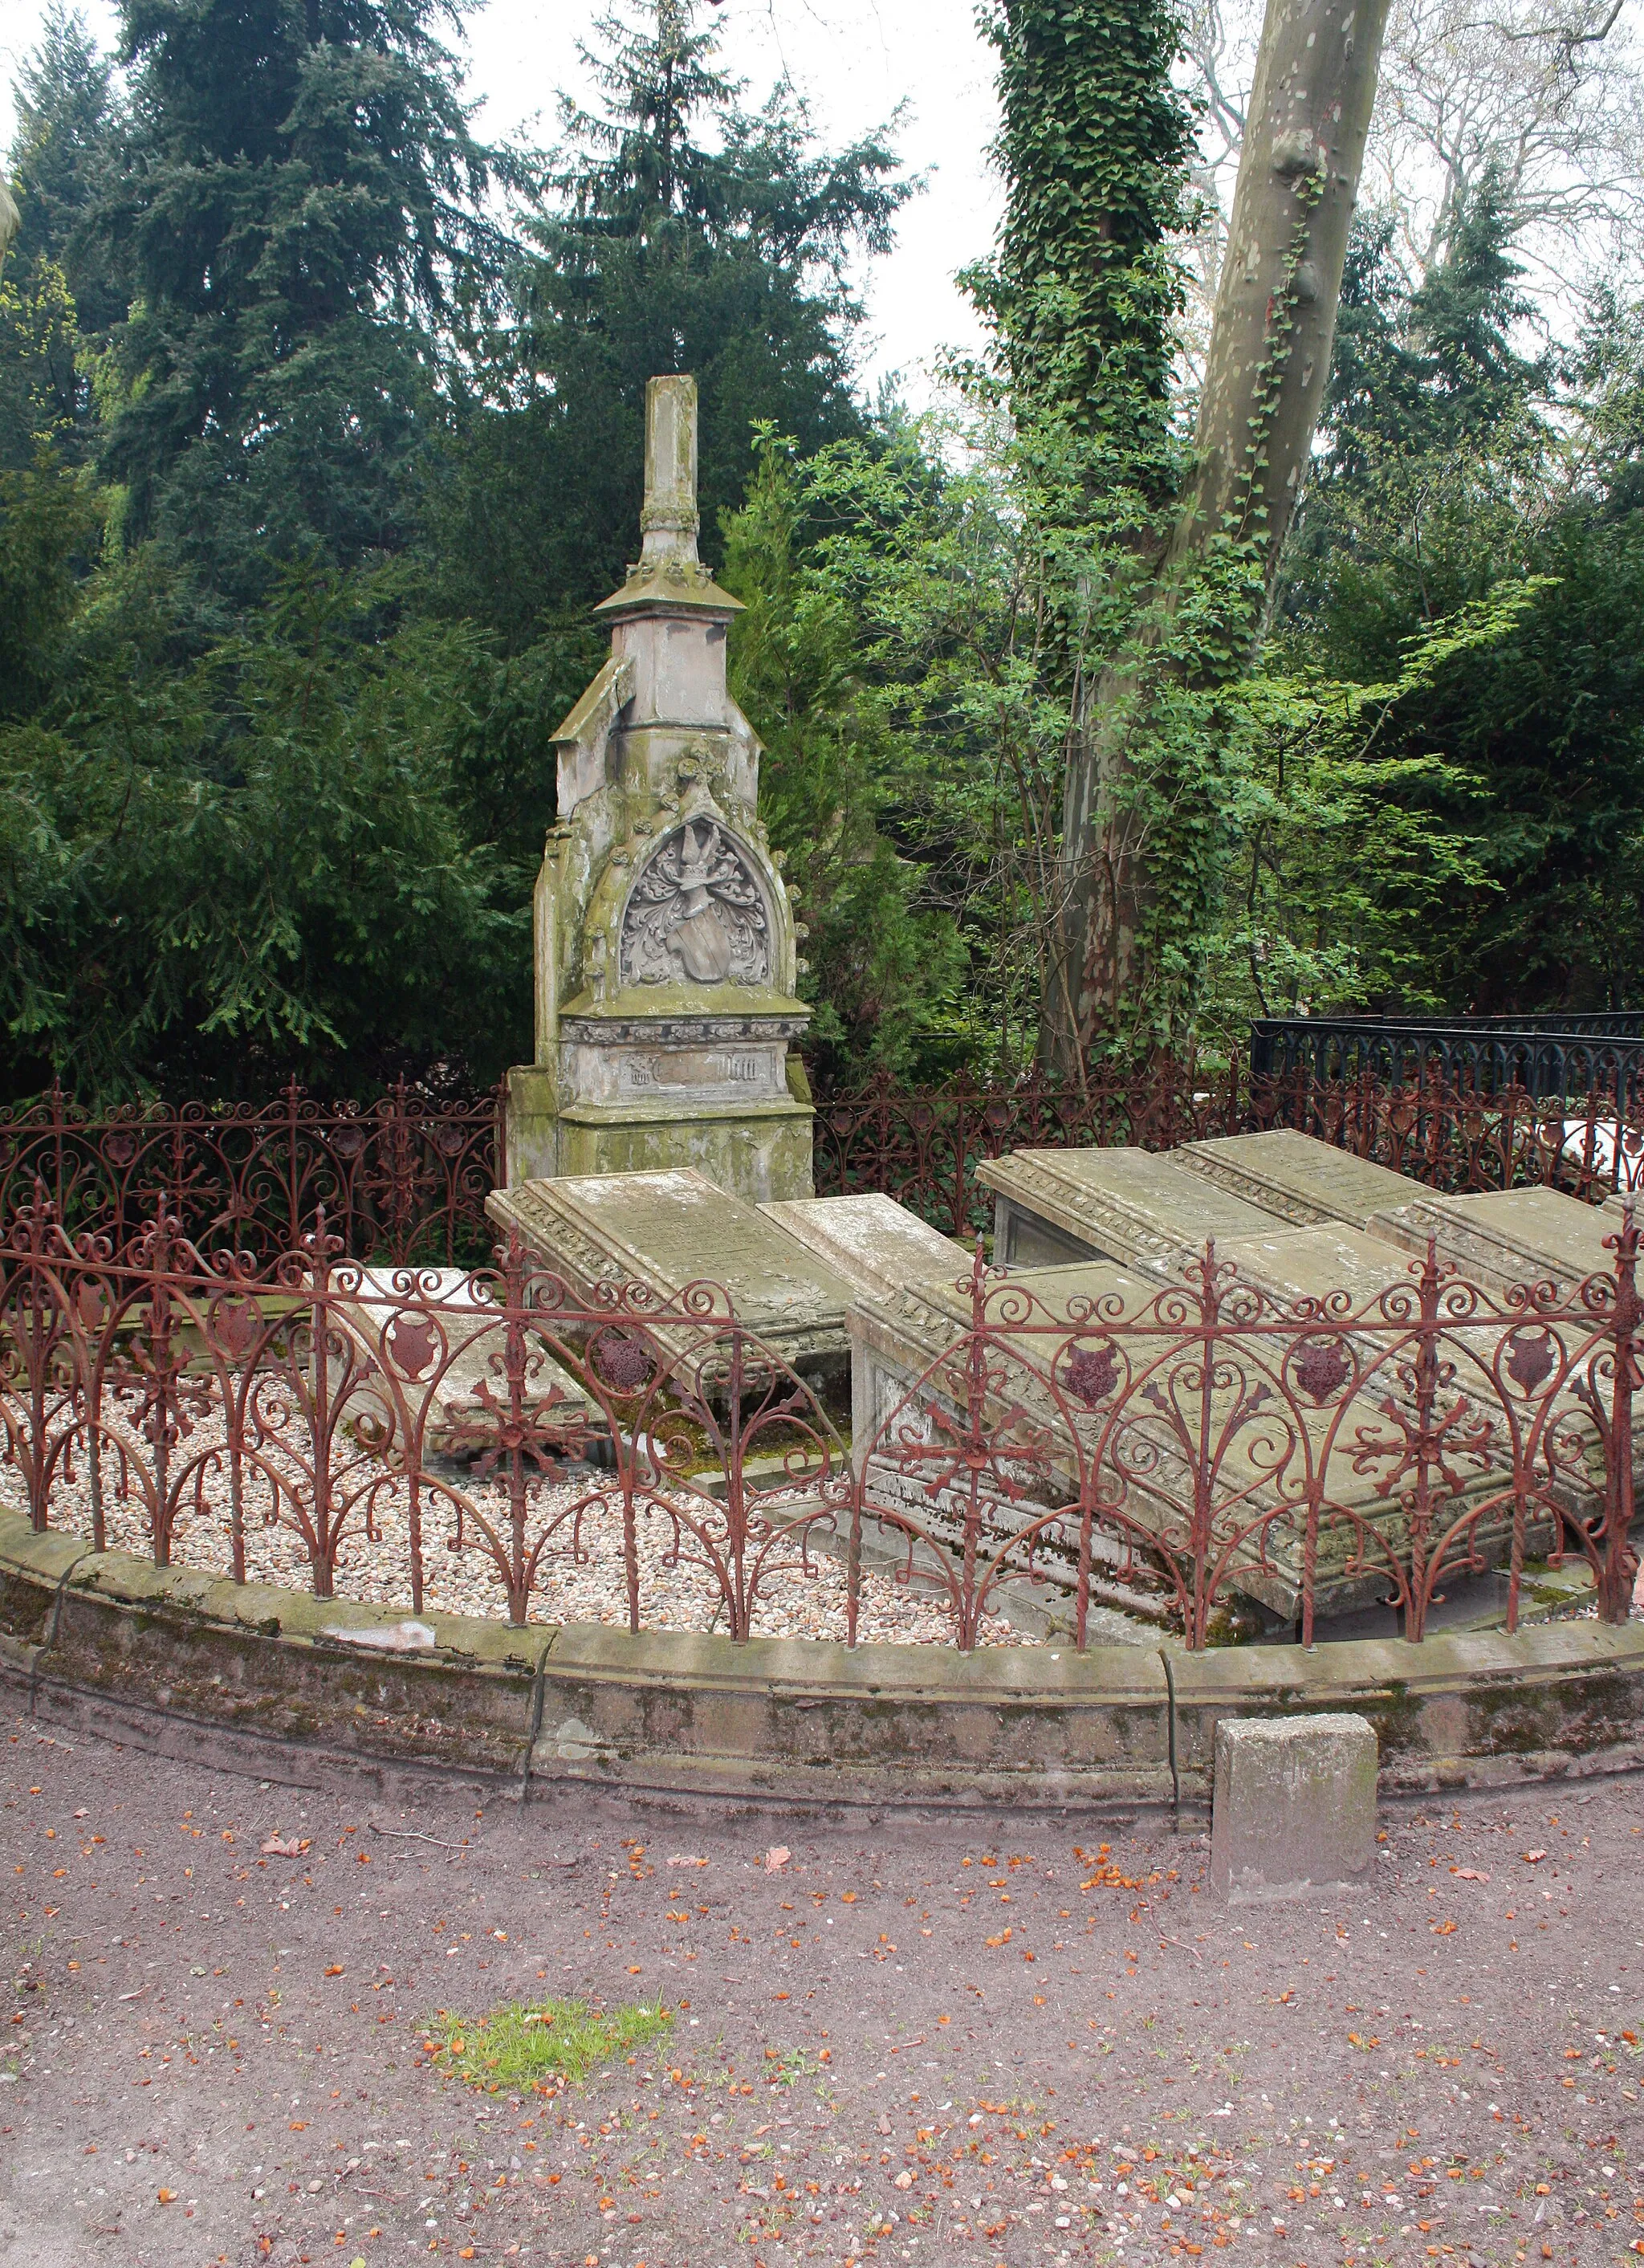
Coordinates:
582 1576
1023 2041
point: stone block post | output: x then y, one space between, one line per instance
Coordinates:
1295 1806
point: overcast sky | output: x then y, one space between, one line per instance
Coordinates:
855 60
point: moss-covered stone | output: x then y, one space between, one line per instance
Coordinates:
784 1718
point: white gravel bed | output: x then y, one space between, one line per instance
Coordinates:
581 1576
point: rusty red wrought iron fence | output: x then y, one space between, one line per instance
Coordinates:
1206 1459
405 1178
923 1146
1456 1139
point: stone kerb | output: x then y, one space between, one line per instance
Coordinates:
183 1658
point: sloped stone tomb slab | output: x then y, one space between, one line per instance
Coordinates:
875 1244
1052 1207
666 1231
1135 1403
1296 1177
1505 1237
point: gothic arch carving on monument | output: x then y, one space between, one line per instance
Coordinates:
697 912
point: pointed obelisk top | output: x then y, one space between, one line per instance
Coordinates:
669 578
668 521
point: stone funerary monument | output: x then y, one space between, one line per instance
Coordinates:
664 939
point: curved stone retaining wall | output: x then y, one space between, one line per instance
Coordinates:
183 1659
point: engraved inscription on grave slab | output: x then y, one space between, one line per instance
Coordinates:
697 914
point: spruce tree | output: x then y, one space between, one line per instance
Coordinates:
298 222
67 119
60 295
1434 422
677 230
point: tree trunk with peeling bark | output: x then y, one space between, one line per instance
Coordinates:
1264 381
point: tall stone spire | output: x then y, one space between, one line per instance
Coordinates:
669 578
670 520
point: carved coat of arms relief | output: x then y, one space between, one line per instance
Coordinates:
697 914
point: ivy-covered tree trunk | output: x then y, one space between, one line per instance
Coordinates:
1265 380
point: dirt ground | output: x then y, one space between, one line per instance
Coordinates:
965 2040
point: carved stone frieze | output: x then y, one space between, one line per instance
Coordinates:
677 1031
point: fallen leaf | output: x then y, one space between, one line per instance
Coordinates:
684 1859
776 1857
1534 1858
1468 1874
274 1848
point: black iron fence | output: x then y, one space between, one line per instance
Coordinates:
1544 1057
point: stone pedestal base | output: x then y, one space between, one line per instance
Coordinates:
758 1151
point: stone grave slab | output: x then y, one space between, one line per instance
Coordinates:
893 1339
665 1231
1498 1238
875 1244
425 1331
895 1342
1311 1263
1137 1207
1297 1177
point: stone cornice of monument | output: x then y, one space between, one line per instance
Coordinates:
665 942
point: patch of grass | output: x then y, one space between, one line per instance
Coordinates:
528 2045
